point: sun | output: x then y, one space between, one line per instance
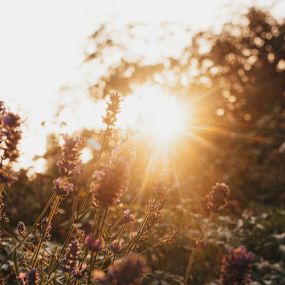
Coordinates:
153 112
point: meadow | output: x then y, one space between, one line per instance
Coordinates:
181 179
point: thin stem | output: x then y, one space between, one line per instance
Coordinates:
135 241
50 217
195 250
94 170
94 256
34 226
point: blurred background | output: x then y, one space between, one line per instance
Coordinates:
204 81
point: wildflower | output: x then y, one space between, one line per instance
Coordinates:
92 243
112 180
236 267
3 216
156 204
21 228
30 277
218 197
78 273
128 217
72 256
69 163
127 271
112 111
116 246
62 186
33 277
10 136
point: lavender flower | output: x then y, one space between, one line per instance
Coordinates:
62 186
92 243
33 277
112 180
112 111
72 256
30 277
128 217
236 267
117 246
21 228
127 271
10 136
218 197
69 163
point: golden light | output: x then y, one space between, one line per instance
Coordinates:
154 113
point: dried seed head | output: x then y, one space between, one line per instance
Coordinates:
218 197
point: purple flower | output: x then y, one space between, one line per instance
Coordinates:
21 228
116 246
72 256
92 243
62 186
112 111
69 163
218 197
236 267
10 135
112 180
128 217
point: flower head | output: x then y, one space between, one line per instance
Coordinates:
69 163
93 243
218 197
71 256
112 111
30 277
21 228
112 180
236 267
62 186
10 135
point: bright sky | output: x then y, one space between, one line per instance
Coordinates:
42 44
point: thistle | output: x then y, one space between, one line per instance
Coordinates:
236 267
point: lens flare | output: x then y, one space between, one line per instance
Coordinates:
154 113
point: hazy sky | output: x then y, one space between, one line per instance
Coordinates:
42 41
